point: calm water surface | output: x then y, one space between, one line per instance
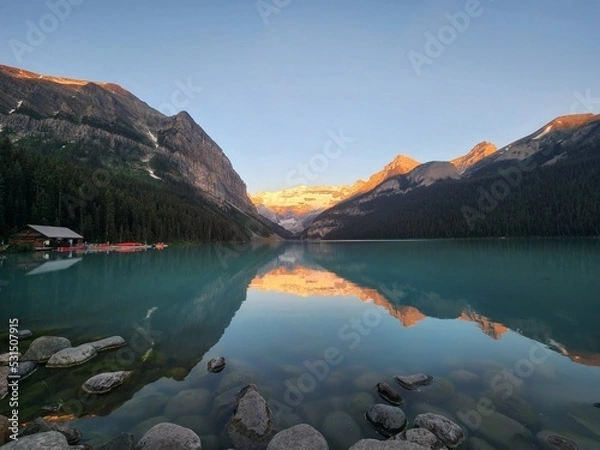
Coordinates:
508 325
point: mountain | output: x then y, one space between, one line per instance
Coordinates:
118 130
399 166
479 152
545 184
565 130
104 131
296 208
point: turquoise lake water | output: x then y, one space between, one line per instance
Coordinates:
508 325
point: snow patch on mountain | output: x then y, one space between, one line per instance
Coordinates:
547 130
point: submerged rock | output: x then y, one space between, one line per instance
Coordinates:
124 441
450 433
421 436
4 429
501 430
4 371
464 377
340 429
412 382
73 356
169 436
299 437
42 348
389 394
25 334
188 402
105 382
251 426
51 440
358 403
26 369
216 365
40 425
388 420
553 440
374 444
108 343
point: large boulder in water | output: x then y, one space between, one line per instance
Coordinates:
105 382
388 420
374 444
51 440
451 434
108 343
299 437
40 425
73 356
42 348
169 436
251 427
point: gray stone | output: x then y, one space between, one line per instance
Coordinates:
42 348
6 358
374 444
557 442
388 420
451 434
340 429
26 369
142 427
251 426
168 436
188 402
39 425
51 440
108 343
422 437
564 440
299 437
4 429
105 382
25 334
389 394
124 441
412 382
4 371
216 365
73 356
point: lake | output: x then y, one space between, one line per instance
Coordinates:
509 330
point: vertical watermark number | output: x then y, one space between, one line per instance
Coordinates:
13 377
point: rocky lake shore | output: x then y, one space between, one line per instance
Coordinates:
251 424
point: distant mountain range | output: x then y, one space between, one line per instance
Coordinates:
170 181
296 208
545 184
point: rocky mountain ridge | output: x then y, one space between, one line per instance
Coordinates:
296 208
102 124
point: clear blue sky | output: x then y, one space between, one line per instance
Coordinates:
273 92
